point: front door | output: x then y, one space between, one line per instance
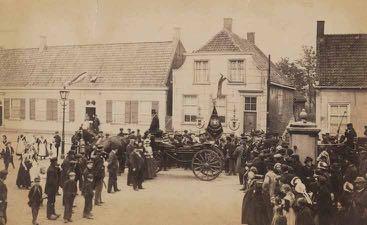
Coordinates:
249 121
90 112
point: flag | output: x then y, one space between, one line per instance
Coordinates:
214 128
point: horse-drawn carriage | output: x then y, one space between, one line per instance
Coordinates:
206 160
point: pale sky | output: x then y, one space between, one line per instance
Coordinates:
281 26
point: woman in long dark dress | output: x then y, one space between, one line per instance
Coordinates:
256 209
24 177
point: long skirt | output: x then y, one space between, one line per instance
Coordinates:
24 177
149 172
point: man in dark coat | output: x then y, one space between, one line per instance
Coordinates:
359 206
350 135
129 149
3 197
154 125
51 187
35 199
57 141
137 168
304 213
69 191
88 196
113 166
99 174
7 155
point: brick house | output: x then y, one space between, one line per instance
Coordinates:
124 82
342 89
244 91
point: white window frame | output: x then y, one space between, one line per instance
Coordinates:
145 112
347 119
40 109
118 112
250 110
198 72
193 106
238 70
12 117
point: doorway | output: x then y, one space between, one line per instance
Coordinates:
90 112
249 121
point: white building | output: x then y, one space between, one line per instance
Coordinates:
245 91
124 82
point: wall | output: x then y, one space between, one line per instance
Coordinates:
280 109
357 98
254 85
80 97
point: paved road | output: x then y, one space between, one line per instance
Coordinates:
175 197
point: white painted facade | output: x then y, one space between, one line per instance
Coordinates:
253 85
42 126
331 105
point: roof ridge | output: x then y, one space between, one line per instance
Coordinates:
95 44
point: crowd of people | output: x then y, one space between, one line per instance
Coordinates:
80 171
282 190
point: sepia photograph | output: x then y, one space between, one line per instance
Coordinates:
183 112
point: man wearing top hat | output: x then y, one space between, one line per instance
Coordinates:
51 187
154 126
3 197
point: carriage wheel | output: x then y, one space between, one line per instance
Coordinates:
207 165
157 162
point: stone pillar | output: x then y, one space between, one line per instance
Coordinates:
304 135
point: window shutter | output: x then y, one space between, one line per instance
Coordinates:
54 109
71 110
32 109
134 111
108 111
49 109
155 106
127 112
22 108
7 108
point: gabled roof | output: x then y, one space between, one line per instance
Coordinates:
342 60
227 41
121 65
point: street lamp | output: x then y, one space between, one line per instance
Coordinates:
64 96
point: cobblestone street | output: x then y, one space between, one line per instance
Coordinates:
174 197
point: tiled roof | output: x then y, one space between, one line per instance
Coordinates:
227 41
342 60
143 64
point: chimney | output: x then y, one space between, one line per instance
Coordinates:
251 37
320 28
43 43
176 34
227 24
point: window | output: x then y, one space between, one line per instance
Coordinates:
118 111
131 112
15 108
222 108
338 114
201 72
145 112
250 103
190 108
236 71
40 109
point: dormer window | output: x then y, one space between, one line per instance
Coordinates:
201 72
236 71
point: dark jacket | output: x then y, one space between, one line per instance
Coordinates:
7 154
57 139
154 126
88 189
98 167
35 195
136 161
52 180
70 189
113 163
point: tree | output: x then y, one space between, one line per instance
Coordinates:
302 73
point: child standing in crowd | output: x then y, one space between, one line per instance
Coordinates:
70 190
35 199
88 196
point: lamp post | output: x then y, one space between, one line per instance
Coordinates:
64 96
